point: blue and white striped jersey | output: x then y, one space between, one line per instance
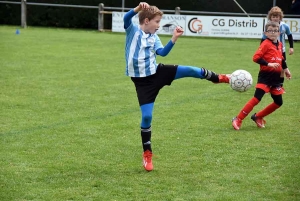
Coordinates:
140 52
284 30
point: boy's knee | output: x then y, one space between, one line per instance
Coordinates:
146 117
195 72
277 99
279 103
146 121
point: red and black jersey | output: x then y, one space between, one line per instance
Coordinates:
269 52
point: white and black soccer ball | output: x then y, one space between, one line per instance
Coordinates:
240 80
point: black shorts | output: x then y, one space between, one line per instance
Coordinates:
147 88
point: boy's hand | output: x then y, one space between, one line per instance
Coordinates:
178 31
142 6
273 65
291 51
287 73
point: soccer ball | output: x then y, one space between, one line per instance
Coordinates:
240 80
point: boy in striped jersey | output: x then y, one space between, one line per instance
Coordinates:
142 46
276 15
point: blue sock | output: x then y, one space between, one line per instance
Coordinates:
147 110
189 71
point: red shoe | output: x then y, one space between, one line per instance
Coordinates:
147 160
260 122
236 123
224 78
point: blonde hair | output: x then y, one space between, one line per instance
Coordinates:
150 13
275 11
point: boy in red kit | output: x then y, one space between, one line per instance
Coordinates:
276 15
269 56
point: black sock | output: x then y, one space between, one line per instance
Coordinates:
281 81
146 138
210 75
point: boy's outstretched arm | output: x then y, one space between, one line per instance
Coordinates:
127 18
141 6
177 32
165 51
133 12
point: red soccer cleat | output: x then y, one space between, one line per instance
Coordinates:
260 122
147 160
236 123
224 78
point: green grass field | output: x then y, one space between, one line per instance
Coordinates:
69 123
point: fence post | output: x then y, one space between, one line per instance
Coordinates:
101 17
177 11
23 14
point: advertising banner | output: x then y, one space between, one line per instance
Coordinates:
170 22
117 21
236 27
294 24
167 24
211 26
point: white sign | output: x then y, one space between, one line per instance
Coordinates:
212 26
236 27
294 24
167 23
118 23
